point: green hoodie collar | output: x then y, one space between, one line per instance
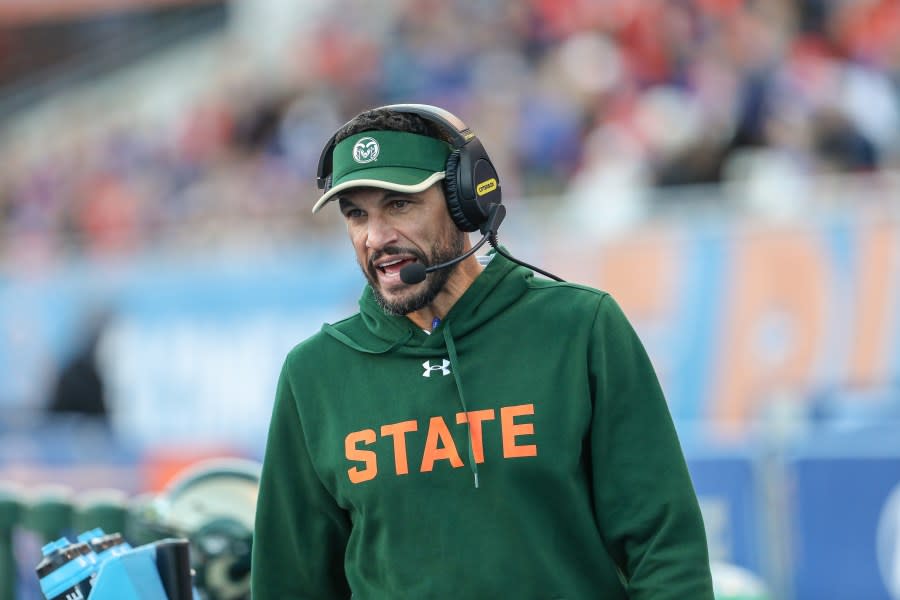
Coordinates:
497 286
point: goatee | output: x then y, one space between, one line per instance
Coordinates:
432 285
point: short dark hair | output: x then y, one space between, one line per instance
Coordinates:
382 119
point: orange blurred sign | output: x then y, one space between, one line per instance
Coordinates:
738 314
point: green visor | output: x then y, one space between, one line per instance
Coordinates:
389 160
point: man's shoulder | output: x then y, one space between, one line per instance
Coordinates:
566 294
321 340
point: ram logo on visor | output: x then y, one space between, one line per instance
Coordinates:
365 150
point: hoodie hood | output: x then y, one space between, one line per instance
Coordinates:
372 331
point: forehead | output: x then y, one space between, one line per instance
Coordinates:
360 195
363 196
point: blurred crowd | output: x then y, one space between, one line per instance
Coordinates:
585 100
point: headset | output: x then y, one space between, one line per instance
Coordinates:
471 184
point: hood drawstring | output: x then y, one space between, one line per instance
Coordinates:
454 362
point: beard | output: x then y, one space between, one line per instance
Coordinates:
433 284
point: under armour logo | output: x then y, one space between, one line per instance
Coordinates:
444 367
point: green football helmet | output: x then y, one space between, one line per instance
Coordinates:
213 504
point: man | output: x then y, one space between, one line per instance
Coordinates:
476 433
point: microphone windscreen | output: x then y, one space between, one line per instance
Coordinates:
414 273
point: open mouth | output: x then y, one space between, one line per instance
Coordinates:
392 267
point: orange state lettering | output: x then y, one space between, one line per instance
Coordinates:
439 444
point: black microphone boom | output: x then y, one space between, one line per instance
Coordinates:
416 272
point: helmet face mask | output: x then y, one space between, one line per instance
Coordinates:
212 504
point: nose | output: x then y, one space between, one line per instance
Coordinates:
380 233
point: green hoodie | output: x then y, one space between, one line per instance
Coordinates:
522 450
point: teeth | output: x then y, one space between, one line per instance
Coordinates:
385 265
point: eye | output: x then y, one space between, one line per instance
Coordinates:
353 213
400 203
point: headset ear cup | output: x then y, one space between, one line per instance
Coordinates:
452 194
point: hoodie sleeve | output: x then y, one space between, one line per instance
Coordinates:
300 533
645 503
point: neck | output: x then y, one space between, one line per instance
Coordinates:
460 280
